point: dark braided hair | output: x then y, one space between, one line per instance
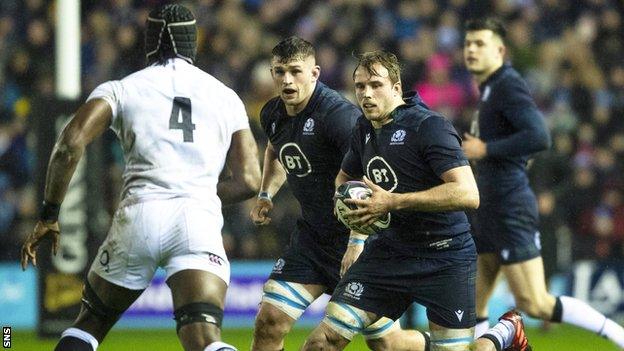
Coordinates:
171 32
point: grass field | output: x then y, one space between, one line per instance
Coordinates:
559 338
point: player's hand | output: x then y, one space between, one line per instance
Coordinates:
260 212
369 210
41 231
474 148
351 255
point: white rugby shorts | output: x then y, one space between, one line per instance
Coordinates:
175 234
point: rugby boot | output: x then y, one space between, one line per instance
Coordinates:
520 342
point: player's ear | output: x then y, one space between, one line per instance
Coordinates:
316 72
398 88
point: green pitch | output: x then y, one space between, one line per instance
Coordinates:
559 338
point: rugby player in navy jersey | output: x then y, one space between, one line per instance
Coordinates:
411 158
506 132
309 127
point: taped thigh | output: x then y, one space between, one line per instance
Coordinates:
290 298
452 339
346 320
381 327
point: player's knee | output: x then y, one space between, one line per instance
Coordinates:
535 308
324 339
106 315
271 323
381 334
381 344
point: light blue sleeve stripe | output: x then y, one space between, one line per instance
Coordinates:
294 292
285 300
353 313
378 330
452 341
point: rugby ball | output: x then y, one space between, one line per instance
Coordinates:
356 190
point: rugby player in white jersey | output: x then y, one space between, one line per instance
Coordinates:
179 127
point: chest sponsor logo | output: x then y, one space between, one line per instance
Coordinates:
367 138
398 138
273 128
354 290
308 127
294 160
486 93
380 172
279 265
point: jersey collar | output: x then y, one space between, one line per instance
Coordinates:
494 75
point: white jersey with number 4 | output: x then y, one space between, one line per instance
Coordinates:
175 124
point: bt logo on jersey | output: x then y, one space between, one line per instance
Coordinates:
294 160
380 172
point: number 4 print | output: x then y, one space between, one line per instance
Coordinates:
182 104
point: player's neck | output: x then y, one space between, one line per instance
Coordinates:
483 76
379 124
293 110
387 117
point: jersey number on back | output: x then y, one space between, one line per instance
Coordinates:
182 104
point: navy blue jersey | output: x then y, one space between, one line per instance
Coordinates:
310 147
513 128
408 155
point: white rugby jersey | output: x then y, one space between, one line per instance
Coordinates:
175 124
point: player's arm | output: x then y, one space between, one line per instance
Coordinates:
243 181
273 174
90 121
273 177
355 245
458 192
531 133
343 177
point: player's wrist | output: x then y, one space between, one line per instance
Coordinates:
357 238
395 202
265 195
49 212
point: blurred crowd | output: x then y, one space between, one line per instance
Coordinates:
570 52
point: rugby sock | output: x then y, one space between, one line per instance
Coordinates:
503 332
220 346
579 313
74 339
483 324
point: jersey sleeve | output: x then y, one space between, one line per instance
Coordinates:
341 120
440 145
239 120
112 93
352 160
264 118
519 109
